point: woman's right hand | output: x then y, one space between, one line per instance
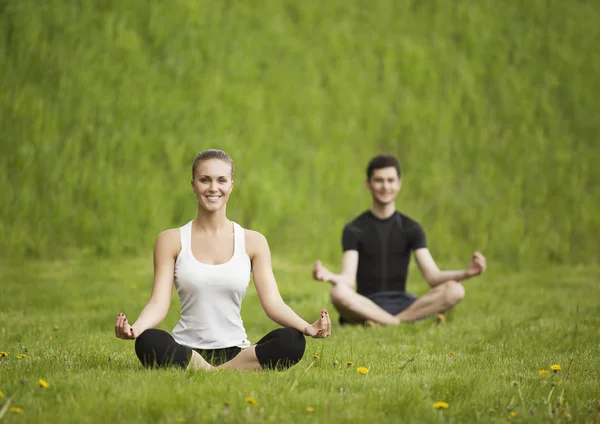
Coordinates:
122 328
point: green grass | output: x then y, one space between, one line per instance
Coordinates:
508 328
491 110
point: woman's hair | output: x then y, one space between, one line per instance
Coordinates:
212 154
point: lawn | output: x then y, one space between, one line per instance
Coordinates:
56 324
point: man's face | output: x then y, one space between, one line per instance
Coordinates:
384 185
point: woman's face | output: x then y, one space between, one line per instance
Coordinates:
212 184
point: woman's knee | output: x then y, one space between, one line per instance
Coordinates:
156 347
151 338
282 351
294 344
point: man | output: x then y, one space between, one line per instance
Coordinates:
377 247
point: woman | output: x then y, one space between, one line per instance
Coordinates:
210 260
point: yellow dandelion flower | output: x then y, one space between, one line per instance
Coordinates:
43 383
349 363
251 401
3 354
316 357
310 409
1 395
363 370
16 410
555 368
441 405
451 353
57 327
543 373
512 414
21 356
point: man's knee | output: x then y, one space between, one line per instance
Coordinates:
339 294
454 293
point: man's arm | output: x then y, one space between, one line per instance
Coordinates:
346 277
434 276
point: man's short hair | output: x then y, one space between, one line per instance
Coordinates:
382 161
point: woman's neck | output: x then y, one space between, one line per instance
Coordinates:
211 222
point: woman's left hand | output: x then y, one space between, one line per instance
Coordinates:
321 328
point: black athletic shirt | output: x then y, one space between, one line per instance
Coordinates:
384 247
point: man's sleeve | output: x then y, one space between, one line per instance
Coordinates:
418 239
349 239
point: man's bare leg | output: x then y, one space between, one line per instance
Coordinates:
353 306
439 299
349 304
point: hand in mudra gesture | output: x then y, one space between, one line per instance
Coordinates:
477 266
122 328
321 327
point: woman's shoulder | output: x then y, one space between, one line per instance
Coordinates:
253 236
169 238
174 234
255 241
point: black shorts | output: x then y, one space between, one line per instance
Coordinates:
393 302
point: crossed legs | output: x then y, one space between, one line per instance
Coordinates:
279 349
245 360
353 306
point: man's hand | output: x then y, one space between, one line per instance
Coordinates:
122 328
477 265
321 328
320 273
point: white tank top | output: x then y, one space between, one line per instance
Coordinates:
211 296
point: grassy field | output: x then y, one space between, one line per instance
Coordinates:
492 111
484 362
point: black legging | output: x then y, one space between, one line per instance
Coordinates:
279 349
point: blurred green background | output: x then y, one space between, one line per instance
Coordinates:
492 109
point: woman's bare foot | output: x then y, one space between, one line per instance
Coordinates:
197 362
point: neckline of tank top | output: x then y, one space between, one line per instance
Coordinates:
235 248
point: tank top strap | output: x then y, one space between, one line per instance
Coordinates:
240 238
185 233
